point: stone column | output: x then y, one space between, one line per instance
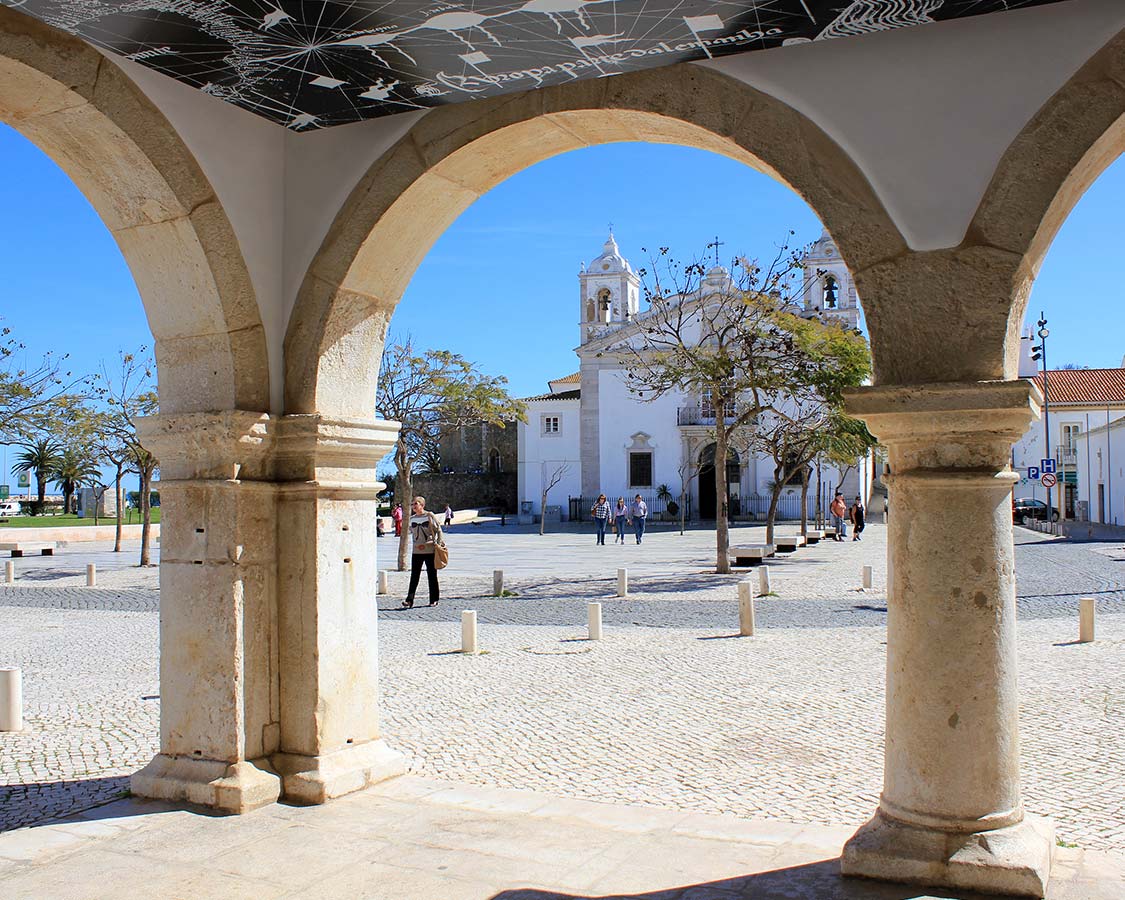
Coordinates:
330 738
950 812
218 628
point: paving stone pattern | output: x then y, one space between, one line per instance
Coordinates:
671 710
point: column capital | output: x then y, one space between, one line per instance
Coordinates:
954 425
344 452
226 445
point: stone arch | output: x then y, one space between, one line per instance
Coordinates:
457 153
129 162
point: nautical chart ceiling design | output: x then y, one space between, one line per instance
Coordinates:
314 63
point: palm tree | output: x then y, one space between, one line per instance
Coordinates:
41 456
73 469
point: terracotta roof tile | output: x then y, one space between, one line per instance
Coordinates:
1083 387
562 395
569 379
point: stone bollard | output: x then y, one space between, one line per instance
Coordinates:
11 699
10 572
764 581
594 620
868 579
497 582
622 582
1085 620
384 583
91 575
469 631
745 609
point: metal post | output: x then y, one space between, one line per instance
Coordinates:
11 699
469 631
1085 620
594 620
745 609
622 582
1043 332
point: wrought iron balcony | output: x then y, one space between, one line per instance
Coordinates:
696 415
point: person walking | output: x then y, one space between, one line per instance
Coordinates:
858 517
639 513
620 517
396 516
600 511
448 516
839 509
425 534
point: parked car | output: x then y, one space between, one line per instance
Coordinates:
1030 508
9 507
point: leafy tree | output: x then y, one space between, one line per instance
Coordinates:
432 393
73 469
806 415
28 391
717 336
41 457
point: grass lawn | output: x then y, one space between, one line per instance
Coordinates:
132 517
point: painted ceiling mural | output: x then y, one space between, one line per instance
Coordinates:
314 63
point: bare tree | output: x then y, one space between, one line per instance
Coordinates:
28 391
718 336
549 481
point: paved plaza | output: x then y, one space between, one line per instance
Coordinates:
670 710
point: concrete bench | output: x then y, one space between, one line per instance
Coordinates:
750 554
789 543
814 537
19 548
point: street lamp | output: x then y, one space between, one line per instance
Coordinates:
1040 353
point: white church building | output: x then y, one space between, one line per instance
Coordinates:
592 436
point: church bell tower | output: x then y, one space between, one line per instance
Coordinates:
609 292
828 286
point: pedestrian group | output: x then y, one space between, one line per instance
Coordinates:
620 516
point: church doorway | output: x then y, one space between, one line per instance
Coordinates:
707 504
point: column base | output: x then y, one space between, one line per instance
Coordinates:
315 779
229 787
1015 860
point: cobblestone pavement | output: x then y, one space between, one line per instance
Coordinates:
787 724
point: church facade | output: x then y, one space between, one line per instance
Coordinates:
590 435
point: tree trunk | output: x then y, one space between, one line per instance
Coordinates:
683 510
804 501
146 513
120 509
403 487
543 513
722 526
775 498
819 498
41 484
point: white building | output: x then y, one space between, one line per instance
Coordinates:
604 440
1080 402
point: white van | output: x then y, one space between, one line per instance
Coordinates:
9 507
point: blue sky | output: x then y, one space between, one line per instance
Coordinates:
501 285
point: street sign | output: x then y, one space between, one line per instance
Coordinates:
1033 473
1049 480
5 491
1047 465
23 479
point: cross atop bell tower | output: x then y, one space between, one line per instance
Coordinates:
609 292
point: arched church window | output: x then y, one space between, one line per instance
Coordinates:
831 292
604 302
495 466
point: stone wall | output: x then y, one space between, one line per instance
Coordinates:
463 491
468 448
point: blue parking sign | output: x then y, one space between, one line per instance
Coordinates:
1047 465
1033 473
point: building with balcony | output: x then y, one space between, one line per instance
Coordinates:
593 434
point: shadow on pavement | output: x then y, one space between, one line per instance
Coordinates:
813 881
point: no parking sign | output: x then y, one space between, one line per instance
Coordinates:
1049 480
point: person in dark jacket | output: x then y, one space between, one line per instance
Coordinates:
859 518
